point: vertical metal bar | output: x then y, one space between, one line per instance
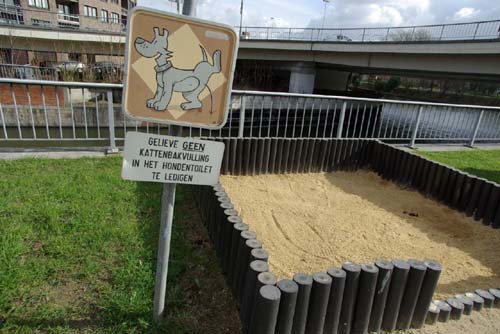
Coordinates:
355 121
405 133
270 118
261 116
362 121
368 122
341 120
167 214
85 114
415 129
476 128
56 91
310 121
31 111
349 120
45 112
326 119
3 123
230 120
364 32
253 113
319 118
333 120
303 118
97 116
442 31
241 128
72 113
287 114
111 121
475 31
15 110
389 108
278 120
295 118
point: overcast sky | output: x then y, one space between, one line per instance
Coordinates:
341 13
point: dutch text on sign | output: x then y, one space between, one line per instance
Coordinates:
168 159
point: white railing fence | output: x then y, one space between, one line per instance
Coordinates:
53 113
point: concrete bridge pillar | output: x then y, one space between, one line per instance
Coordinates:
302 78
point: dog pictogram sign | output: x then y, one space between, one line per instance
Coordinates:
179 70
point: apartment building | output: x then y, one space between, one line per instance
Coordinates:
84 15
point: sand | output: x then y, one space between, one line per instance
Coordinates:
484 322
309 222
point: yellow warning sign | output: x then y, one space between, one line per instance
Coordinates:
179 70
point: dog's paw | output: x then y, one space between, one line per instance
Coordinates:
158 106
191 105
150 103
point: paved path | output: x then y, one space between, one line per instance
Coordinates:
52 155
453 147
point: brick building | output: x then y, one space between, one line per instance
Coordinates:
85 15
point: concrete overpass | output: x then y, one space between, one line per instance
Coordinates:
325 62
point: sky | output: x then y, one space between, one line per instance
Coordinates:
340 13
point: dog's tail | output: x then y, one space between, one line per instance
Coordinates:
204 53
216 59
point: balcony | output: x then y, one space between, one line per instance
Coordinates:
68 19
11 14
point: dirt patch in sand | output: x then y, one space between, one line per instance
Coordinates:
309 222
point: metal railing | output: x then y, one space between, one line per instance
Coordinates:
27 72
442 32
16 15
58 112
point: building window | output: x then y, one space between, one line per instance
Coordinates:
115 2
90 11
63 9
115 18
39 3
104 16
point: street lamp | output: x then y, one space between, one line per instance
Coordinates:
324 12
241 16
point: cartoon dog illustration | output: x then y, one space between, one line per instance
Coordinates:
170 79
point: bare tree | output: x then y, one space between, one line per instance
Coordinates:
411 36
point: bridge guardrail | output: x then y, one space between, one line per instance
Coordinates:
58 112
481 30
443 32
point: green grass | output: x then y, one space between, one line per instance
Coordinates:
482 163
78 249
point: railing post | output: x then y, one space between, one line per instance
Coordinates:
413 33
341 120
241 128
442 32
476 129
364 32
415 129
387 35
475 32
111 123
289 33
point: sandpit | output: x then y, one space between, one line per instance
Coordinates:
309 222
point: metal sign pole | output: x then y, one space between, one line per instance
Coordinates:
167 217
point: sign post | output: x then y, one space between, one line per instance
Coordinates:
179 71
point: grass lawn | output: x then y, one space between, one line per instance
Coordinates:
78 249
484 164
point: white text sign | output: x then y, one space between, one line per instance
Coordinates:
167 159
